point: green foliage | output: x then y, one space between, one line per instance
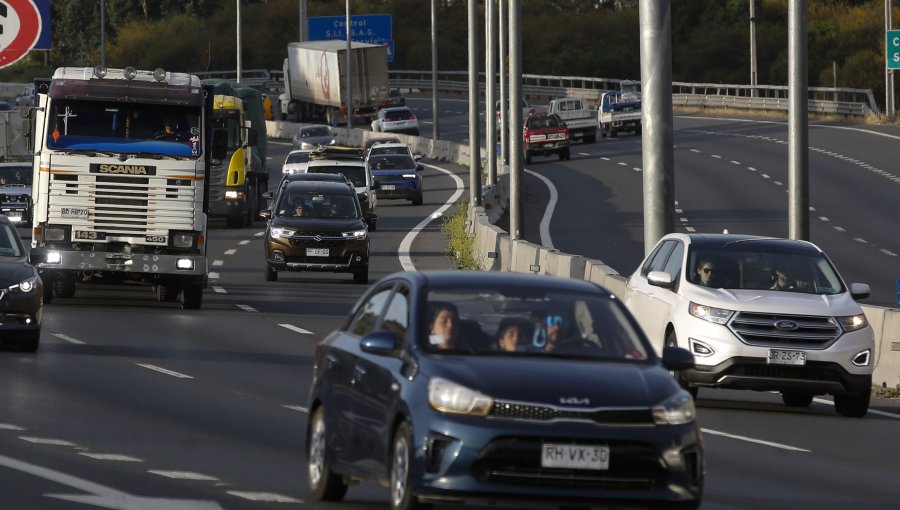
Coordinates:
462 247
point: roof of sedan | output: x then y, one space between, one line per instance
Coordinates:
438 278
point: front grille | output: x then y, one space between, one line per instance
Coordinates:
123 205
535 412
632 466
801 331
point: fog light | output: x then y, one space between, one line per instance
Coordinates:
278 256
185 264
862 358
54 257
700 349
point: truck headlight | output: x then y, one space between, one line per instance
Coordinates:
281 232
711 314
233 194
183 240
54 234
448 397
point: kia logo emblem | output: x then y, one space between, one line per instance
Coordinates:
787 326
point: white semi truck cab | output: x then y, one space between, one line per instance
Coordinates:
118 197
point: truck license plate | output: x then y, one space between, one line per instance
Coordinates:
317 252
74 213
575 456
780 357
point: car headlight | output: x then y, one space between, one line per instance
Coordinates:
278 232
356 234
288 171
409 176
676 410
25 286
448 397
853 322
711 314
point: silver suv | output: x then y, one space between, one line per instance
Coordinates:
757 313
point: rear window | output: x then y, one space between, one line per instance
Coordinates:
397 115
391 162
354 174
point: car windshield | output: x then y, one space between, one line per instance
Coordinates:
15 175
353 173
391 162
317 205
315 131
529 322
297 157
758 267
9 244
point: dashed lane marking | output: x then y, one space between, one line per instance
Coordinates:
183 475
164 371
217 263
230 251
245 241
754 440
47 440
111 456
68 339
246 308
219 290
296 329
10 426
298 408
267 497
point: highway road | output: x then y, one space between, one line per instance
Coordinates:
135 404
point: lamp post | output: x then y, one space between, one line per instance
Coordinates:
349 72
103 33
238 41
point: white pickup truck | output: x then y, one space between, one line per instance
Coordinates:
620 110
580 118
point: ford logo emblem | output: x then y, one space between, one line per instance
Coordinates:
787 326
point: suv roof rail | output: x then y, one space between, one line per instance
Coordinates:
336 152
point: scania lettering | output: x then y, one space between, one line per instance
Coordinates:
118 198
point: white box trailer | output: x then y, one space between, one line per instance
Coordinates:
315 80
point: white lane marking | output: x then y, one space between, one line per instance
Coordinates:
757 441
604 158
580 153
888 252
840 229
860 240
232 251
183 475
751 169
217 263
259 234
100 495
733 162
10 426
111 456
821 218
622 163
298 408
637 169
548 212
246 308
406 244
213 275
717 156
296 329
812 209
683 220
871 411
696 150
67 338
164 371
679 211
765 176
219 290
47 440
777 183
690 229
269 497
245 241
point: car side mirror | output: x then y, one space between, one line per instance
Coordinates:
382 343
268 194
266 214
660 279
859 290
419 168
677 358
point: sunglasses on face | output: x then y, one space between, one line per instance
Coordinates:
707 270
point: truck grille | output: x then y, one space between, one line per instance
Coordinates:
783 330
123 205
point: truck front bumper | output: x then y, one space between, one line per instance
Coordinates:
144 263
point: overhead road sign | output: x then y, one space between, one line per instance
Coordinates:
892 52
367 28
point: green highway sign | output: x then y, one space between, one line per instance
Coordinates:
892 51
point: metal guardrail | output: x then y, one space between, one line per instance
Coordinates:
840 101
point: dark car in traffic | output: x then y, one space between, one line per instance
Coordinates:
15 193
398 175
500 388
21 290
317 226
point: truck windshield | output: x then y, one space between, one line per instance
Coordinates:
121 127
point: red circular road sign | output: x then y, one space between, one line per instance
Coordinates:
21 29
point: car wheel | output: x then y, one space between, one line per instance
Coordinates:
400 486
672 341
853 405
30 342
252 204
613 133
567 154
604 132
192 296
796 399
271 273
361 276
324 483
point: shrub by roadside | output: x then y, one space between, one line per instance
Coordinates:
461 244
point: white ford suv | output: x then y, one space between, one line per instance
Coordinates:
757 313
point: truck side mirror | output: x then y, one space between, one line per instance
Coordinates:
219 145
252 137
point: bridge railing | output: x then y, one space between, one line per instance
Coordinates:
840 101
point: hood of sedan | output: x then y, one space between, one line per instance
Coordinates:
560 382
13 271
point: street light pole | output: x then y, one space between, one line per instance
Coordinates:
349 73
435 130
238 41
303 16
753 76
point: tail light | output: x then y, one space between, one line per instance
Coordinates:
566 131
527 136
412 116
532 111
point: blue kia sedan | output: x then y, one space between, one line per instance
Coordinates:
398 176
506 389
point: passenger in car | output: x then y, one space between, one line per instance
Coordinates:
512 334
785 279
706 273
444 326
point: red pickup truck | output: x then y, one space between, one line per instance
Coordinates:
546 135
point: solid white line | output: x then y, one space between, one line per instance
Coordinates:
45 440
296 329
9 426
871 411
548 212
183 475
232 251
298 408
269 497
406 245
219 290
68 339
164 371
246 308
111 456
757 441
